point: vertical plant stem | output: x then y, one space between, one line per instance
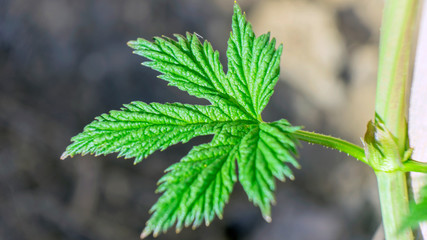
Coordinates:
397 33
394 199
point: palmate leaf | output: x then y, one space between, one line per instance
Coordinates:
196 189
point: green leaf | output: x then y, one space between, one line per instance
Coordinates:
418 212
197 188
190 66
139 129
262 156
254 64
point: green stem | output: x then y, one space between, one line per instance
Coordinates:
352 149
390 185
332 142
414 166
397 34
391 106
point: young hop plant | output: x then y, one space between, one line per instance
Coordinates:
196 189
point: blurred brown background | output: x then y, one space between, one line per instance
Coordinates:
64 62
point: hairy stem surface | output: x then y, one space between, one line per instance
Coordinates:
332 142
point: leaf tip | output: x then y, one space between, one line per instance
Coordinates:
267 219
64 155
137 160
145 233
236 7
131 44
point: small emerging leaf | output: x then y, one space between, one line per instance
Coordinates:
381 148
